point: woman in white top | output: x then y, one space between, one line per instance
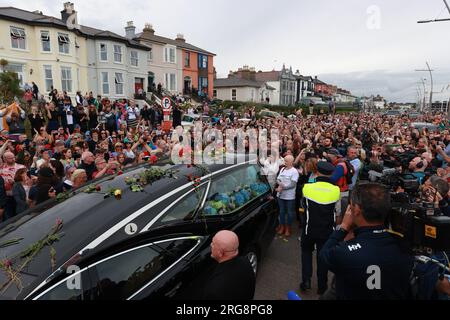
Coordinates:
286 188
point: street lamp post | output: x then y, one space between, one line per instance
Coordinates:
431 91
423 101
431 80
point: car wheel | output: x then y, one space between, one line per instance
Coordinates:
253 259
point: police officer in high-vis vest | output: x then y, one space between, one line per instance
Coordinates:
319 202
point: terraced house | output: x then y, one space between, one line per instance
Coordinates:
43 49
178 66
58 53
284 82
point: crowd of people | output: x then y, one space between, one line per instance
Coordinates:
49 146
326 178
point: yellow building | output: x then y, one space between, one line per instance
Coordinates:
43 50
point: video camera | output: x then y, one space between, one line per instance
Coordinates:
402 159
394 179
422 225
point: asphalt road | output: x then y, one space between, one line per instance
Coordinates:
280 271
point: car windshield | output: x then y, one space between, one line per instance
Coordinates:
188 119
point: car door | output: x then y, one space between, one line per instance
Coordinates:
155 270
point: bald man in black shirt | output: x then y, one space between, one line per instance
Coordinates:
233 278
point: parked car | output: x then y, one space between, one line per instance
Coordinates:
315 100
269 114
393 113
153 244
188 120
292 117
414 115
421 125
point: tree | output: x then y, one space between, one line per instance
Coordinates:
3 63
9 86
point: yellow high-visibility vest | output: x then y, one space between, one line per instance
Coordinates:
322 192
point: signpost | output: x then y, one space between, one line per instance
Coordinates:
166 105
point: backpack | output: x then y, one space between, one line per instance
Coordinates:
350 171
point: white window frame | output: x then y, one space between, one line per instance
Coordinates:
118 53
63 43
168 81
17 68
150 55
187 58
18 36
48 80
103 52
102 74
119 83
234 97
45 38
168 56
204 62
134 60
66 79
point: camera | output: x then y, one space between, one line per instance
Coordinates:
394 179
421 225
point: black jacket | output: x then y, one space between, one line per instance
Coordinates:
319 202
90 169
176 117
231 280
20 196
2 193
352 262
37 122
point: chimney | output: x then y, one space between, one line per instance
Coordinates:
180 37
38 12
130 30
148 28
246 73
69 9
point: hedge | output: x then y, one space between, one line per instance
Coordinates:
242 106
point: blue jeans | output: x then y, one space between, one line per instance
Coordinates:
287 211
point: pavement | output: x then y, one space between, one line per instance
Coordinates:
280 270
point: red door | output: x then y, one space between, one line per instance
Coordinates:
138 84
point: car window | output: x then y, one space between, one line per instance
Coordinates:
188 119
235 190
70 289
186 207
124 274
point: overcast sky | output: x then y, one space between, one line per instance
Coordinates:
368 47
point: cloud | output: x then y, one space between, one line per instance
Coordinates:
317 37
395 86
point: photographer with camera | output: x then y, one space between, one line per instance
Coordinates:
417 167
435 191
373 265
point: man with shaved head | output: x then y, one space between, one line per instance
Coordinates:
233 278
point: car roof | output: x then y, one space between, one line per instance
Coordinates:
91 223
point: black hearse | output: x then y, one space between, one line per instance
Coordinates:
153 243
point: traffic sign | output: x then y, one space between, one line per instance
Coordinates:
166 103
